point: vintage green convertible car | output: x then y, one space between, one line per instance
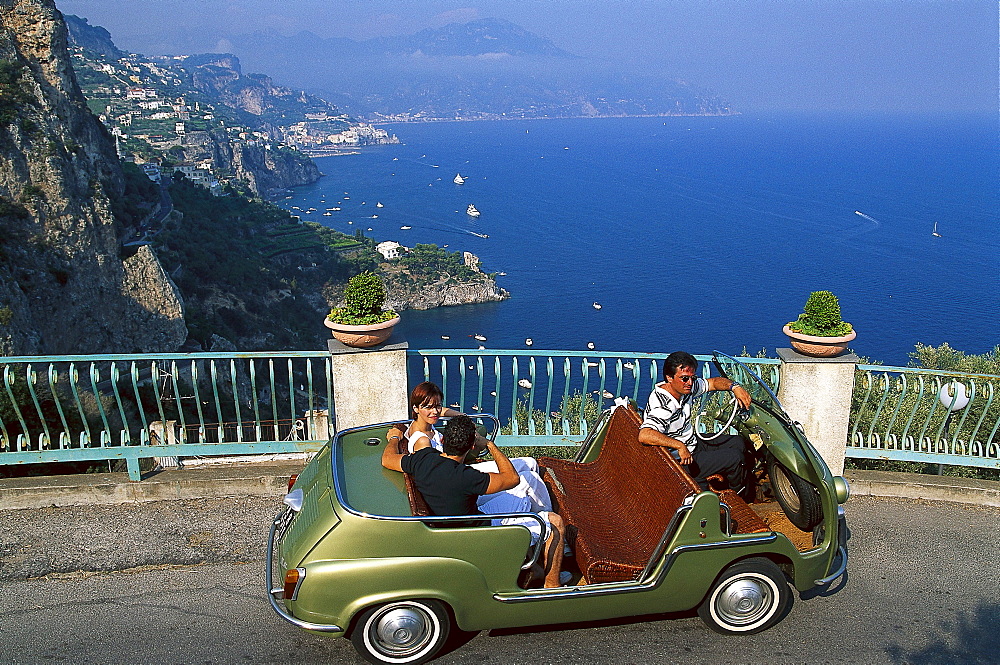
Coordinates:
354 554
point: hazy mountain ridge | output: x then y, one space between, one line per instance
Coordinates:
483 69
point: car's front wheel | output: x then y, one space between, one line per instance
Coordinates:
750 596
403 631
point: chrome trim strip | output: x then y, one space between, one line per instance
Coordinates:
592 434
614 588
272 591
668 533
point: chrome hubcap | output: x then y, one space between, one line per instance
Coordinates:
744 601
401 630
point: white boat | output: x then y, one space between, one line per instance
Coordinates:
524 383
607 395
529 342
481 338
629 366
405 228
471 211
481 235
459 180
590 345
379 205
328 214
370 228
934 232
597 305
445 337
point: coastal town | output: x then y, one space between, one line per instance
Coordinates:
178 114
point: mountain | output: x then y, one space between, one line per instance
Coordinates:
487 68
65 202
485 37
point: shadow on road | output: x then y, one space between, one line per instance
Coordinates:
973 637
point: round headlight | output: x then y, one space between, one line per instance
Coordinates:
842 489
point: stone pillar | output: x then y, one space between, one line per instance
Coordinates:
369 385
817 393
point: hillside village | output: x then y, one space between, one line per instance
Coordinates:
200 116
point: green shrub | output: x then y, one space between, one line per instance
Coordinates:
364 297
821 317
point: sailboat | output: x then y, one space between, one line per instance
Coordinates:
459 180
934 232
471 211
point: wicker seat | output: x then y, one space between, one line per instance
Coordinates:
621 503
418 507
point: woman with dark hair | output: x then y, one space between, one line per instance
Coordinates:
426 408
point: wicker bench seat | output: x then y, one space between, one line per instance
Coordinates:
621 503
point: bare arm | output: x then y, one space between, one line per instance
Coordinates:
651 437
391 457
506 477
722 383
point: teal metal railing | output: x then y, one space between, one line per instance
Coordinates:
105 407
898 413
131 407
547 398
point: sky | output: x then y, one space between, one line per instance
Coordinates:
860 55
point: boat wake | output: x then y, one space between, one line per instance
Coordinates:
868 217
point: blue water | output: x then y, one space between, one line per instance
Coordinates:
694 233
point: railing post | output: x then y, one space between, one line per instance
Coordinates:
369 385
817 392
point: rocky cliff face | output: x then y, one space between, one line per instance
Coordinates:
63 286
266 171
444 295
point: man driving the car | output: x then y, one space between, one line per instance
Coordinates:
667 423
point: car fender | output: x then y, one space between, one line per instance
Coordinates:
334 591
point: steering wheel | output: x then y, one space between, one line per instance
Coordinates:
727 412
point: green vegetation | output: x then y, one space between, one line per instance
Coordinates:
235 278
569 411
6 315
946 358
928 419
10 209
427 263
139 198
31 192
821 317
13 94
364 298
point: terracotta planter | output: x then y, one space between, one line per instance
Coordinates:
819 347
362 336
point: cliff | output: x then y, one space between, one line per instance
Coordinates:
63 286
403 296
265 170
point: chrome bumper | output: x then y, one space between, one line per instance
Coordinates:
274 592
841 550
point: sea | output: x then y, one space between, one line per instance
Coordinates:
692 233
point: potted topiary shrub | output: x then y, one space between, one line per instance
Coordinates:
819 331
362 321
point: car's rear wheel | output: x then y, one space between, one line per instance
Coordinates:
403 631
750 596
799 499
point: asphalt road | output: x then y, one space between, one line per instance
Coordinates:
181 582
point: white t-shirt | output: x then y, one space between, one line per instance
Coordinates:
670 416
